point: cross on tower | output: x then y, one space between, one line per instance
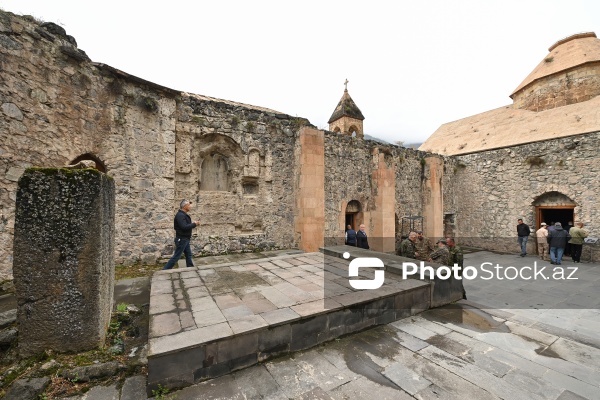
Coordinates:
346 84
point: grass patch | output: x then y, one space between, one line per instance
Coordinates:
136 270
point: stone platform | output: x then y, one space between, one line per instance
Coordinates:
209 321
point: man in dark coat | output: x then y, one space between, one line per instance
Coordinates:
183 225
361 238
523 232
557 240
350 236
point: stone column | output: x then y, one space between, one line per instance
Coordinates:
310 189
63 259
433 202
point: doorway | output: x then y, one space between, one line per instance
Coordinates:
353 214
553 214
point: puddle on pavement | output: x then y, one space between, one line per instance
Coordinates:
378 342
467 317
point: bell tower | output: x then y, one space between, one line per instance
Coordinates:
347 118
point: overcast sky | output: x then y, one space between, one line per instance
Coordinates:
412 65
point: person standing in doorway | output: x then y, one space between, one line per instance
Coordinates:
578 234
557 239
361 238
523 232
542 241
183 225
350 236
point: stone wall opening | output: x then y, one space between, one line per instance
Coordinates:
354 215
90 157
552 207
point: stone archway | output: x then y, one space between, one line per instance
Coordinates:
553 206
354 214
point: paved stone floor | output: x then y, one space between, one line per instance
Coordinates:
511 340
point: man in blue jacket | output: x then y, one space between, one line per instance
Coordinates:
183 226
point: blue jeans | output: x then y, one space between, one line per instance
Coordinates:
523 243
556 254
182 245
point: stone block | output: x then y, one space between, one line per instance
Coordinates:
274 341
174 370
63 259
237 347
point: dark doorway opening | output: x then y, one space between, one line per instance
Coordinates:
564 215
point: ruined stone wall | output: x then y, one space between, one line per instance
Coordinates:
567 87
236 162
56 105
493 189
349 167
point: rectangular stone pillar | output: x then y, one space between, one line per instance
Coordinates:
63 259
310 189
433 202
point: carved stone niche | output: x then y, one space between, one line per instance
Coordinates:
250 186
220 160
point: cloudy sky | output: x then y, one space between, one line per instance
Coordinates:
412 65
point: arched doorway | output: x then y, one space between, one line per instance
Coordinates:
353 214
554 207
90 157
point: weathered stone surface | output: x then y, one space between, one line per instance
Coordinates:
27 389
94 371
64 265
134 388
7 318
7 337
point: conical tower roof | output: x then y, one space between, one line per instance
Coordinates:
346 108
565 54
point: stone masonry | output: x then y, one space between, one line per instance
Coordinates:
64 259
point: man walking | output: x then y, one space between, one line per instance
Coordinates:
557 239
183 225
361 238
523 232
542 241
577 234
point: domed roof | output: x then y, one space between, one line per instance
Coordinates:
565 54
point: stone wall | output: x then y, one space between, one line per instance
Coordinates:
351 169
56 105
236 162
489 191
567 87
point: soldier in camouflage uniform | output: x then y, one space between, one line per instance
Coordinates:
424 246
456 257
441 255
408 246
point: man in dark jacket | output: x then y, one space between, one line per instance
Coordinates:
183 225
523 232
361 238
557 240
350 236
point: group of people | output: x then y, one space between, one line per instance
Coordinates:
553 239
357 238
419 247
